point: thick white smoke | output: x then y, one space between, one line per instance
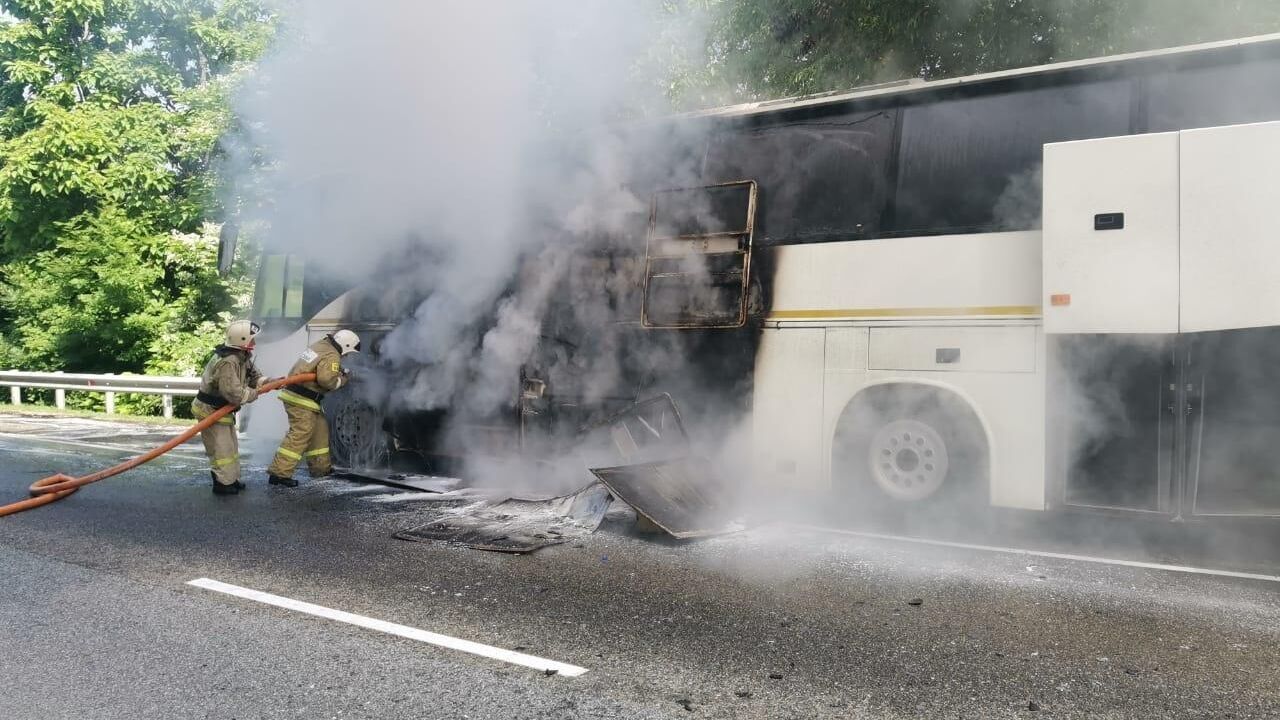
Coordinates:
427 149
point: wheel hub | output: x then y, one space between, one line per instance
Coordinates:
908 460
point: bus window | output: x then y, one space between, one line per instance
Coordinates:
707 211
278 295
820 179
699 256
295 276
1208 97
960 157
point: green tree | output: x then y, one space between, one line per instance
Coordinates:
110 117
774 48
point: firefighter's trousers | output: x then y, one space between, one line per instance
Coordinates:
221 444
308 437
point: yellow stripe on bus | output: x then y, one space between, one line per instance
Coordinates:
904 312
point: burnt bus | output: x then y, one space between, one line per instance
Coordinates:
916 294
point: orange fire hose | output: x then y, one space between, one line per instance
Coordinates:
56 487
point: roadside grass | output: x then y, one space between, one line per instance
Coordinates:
46 411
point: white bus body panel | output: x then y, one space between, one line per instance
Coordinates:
1199 250
787 417
1113 281
876 312
1006 349
1230 217
968 275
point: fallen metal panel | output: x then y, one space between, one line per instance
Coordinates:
683 497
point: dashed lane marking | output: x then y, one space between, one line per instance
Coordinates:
1052 555
444 641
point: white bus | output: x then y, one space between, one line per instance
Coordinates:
1046 288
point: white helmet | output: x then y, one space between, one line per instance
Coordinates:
240 334
348 342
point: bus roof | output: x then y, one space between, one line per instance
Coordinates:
912 86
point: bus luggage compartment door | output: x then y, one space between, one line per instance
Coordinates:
1233 416
1113 403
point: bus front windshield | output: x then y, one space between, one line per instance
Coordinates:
288 293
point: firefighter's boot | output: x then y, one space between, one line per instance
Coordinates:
283 481
237 484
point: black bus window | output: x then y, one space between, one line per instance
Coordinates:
1225 95
960 157
820 179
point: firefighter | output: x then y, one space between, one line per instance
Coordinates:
308 435
229 379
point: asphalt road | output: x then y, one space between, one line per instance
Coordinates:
97 619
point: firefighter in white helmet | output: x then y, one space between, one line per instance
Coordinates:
229 379
308 435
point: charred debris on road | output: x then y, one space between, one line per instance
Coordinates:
641 457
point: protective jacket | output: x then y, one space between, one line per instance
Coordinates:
324 358
229 378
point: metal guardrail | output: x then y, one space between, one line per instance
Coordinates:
60 383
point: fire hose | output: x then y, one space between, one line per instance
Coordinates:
56 487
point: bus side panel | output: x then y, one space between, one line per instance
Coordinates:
916 295
979 274
1229 255
1004 402
1111 235
787 410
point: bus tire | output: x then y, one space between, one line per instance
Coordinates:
356 437
909 448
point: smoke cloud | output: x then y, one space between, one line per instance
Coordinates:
428 151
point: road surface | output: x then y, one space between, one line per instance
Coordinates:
98 617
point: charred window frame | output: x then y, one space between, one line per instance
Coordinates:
698 256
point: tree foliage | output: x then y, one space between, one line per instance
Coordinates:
773 48
110 117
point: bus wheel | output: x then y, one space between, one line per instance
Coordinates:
908 459
356 438
909 446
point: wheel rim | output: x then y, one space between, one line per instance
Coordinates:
908 460
356 432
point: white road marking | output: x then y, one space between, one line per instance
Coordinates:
183 449
444 641
1053 555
